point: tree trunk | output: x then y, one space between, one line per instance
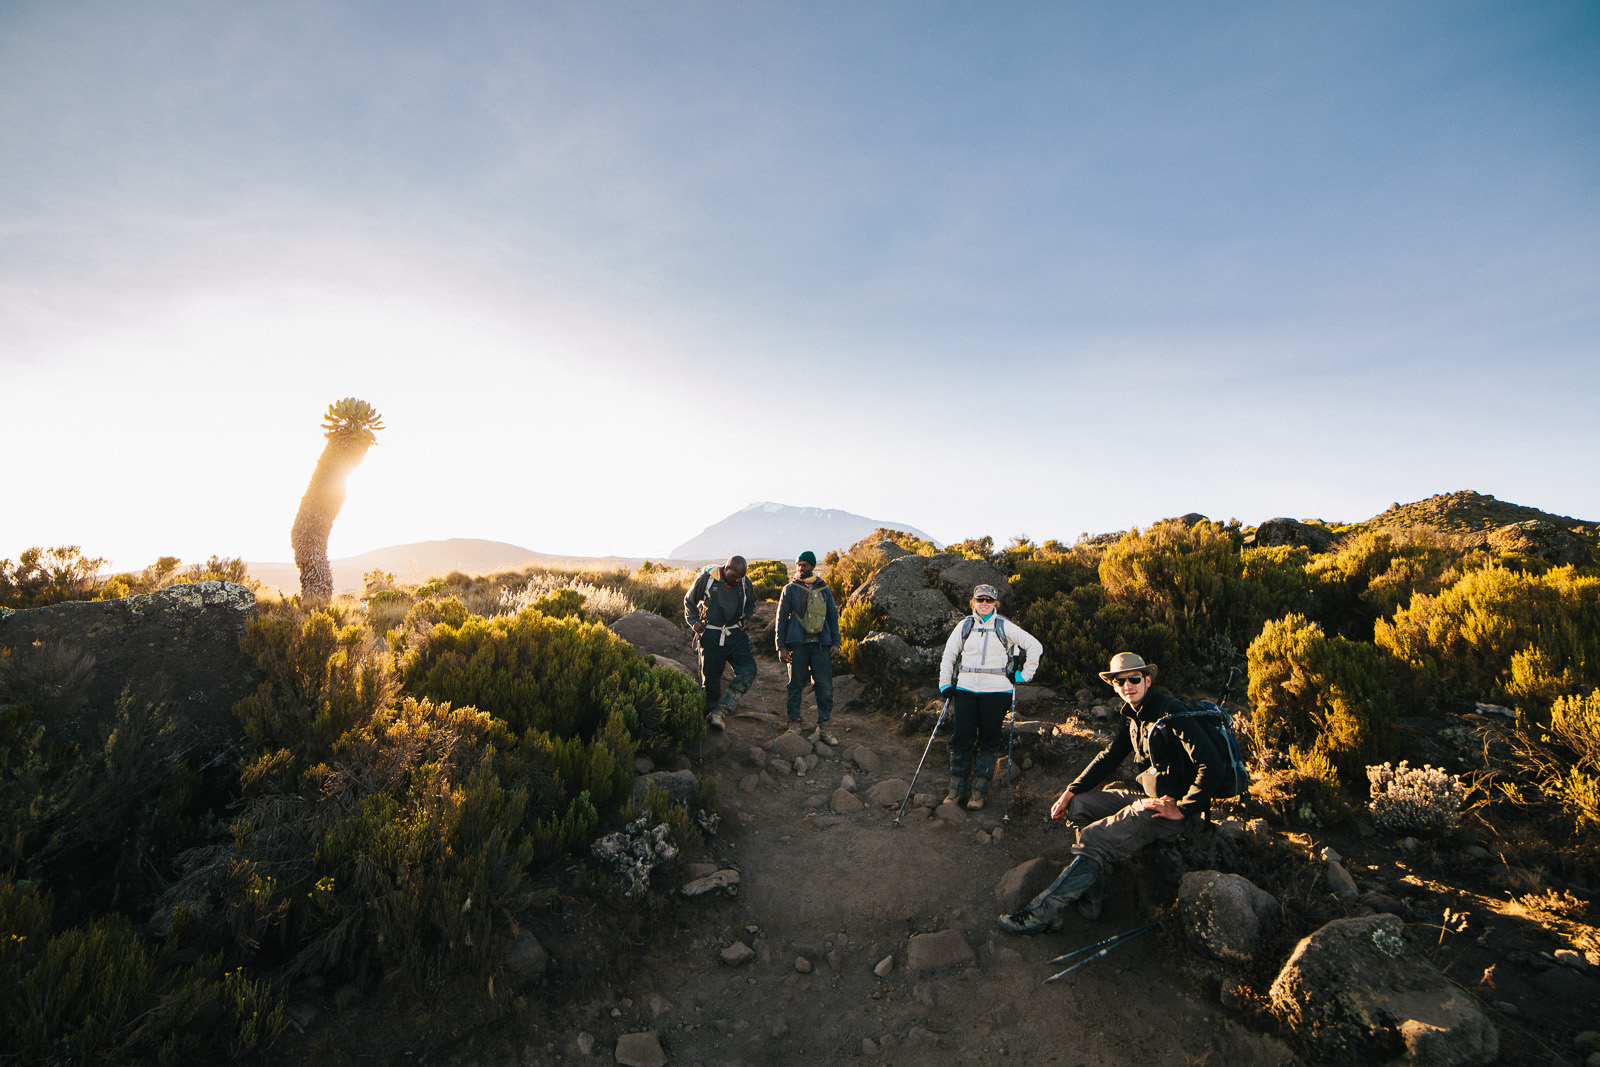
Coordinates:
318 508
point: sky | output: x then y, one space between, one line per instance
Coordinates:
611 271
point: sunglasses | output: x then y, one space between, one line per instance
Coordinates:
984 599
1126 678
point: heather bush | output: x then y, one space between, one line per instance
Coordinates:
42 576
1082 629
1371 574
553 593
99 993
1322 700
1423 798
1190 577
769 576
1463 644
856 621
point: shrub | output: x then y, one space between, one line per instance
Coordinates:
99 994
1318 698
856 621
1423 798
557 594
769 576
1082 629
562 677
1463 643
43 576
1371 574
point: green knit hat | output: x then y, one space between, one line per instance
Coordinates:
807 556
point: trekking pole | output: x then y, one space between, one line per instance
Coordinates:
912 787
1011 733
1109 944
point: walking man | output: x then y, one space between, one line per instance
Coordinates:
719 607
1180 771
807 635
977 675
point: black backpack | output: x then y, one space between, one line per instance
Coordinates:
1217 724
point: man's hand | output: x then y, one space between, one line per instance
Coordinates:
784 655
1163 807
700 628
1058 810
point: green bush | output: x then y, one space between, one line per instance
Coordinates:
100 994
43 576
1371 574
1497 634
1082 629
1321 700
769 576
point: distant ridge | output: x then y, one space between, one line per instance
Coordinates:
1465 511
766 530
422 560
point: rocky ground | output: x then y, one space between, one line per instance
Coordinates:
821 954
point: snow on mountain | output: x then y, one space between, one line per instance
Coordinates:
765 530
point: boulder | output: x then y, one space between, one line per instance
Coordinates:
889 792
1023 882
178 645
956 578
1357 991
888 660
1283 531
790 744
1225 916
903 598
680 787
527 959
1541 540
943 948
651 635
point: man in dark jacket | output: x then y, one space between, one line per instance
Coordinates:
1179 768
807 634
719 607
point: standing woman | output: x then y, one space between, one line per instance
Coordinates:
977 675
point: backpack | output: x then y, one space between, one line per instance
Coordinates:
710 573
1217 724
813 618
1014 661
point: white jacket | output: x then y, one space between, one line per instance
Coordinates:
983 648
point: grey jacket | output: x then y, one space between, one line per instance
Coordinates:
710 601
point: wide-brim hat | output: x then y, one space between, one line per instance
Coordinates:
1123 662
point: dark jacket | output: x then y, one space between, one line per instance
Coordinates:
792 604
712 601
1187 764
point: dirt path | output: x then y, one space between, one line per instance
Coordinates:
825 898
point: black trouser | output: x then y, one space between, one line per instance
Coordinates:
714 656
980 717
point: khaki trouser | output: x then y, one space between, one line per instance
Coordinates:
1109 831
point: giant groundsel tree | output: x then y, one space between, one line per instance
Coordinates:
351 427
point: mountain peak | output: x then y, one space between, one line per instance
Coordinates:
769 530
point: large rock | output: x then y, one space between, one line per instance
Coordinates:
1283 531
887 660
651 635
179 645
1224 915
1542 540
1023 882
957 577
943 948
1358 991
679 786
905 603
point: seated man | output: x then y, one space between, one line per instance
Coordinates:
1179 768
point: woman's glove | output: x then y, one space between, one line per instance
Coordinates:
1016 676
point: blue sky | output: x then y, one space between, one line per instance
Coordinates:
612 271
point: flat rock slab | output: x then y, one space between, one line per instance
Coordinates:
943 948
707 883
889 792
641 1050
738 954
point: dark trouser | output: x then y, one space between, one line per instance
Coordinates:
978 717
1109 831
714 656
809 660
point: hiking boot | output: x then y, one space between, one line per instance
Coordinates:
1093 897
794 724
958 786
979 788
1044 911
824 736
714 718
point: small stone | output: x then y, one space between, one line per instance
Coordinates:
641 1050
584 1043
1259 827
844 801
982 838
659 1005
924 800
1476 852
802 965
848 782
884 966
1410 844
869 1047
738 954
1568 958
997 834
865 758
781 767
755 755
749 784
835 961
942 948
779 1029
643 764
1587 1041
